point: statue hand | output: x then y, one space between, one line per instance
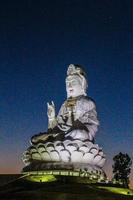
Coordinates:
51 110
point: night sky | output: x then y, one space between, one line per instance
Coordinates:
38 40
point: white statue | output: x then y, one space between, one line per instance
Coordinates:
70 135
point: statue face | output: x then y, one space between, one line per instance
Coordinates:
74 86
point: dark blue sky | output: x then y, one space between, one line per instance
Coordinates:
38 40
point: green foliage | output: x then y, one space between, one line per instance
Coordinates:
122 168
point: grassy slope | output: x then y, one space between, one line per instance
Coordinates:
24 190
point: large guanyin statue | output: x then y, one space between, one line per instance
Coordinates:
69 140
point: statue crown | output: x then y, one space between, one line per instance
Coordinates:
75 69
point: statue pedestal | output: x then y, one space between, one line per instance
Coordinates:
61 169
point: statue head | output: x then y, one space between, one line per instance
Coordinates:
76 83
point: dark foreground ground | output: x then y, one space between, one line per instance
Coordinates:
25 190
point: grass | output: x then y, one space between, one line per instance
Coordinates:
46 178
117 190
23 189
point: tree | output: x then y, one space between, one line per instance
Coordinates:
122 168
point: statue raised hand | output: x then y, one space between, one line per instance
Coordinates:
51 110
51 115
